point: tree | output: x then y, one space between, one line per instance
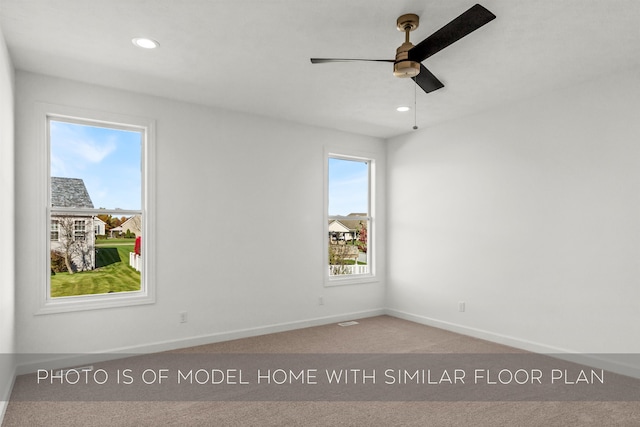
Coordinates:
363 238
339 255
68 244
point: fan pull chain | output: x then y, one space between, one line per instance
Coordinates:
415 112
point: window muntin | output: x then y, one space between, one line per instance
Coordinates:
75 151
349 219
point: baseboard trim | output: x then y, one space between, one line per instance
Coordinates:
629 367
65 361
477 333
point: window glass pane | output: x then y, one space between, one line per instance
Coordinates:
348 252
107 160
96 175
348 187
349 222
101 265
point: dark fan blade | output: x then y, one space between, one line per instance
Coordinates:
463 25
427 81
323 60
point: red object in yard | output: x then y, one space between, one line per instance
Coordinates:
136 248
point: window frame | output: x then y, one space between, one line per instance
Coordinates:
351 279
147 292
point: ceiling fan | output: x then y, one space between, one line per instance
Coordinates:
408 62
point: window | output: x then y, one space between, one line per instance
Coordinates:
55 236
349 220
78 230
98 205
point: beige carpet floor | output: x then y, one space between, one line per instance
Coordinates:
381 335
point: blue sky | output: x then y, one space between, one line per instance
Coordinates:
348 186
108 160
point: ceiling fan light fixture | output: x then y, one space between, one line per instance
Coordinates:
404 69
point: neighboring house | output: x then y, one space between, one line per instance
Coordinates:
99 227
133 224
339 232
115 232
345 229
72 235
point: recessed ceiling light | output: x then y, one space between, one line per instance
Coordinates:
402 109
145 43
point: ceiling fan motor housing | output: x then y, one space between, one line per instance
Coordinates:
403 67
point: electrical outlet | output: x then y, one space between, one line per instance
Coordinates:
320 301
183 317
461 306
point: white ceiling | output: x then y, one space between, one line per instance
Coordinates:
253 55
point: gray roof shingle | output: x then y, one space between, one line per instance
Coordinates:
69 193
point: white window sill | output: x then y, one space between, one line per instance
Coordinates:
350 280
94 302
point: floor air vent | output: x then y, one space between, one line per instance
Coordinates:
351 323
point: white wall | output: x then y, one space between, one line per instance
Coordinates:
242 179
530 213
7 298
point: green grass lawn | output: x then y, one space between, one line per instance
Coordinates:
352 262
112 273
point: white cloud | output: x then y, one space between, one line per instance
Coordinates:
91 151
73 143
